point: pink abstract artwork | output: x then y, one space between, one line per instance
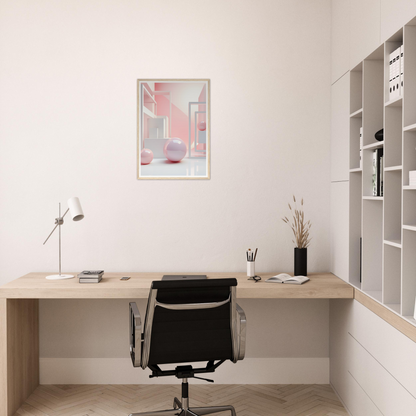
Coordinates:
173 124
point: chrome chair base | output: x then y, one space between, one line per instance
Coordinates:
179 410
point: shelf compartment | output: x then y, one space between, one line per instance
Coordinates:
389 47
355 215
367 155
355 125
409 273
409 208
372 246
392 205
409 155
392 275
409 115
356 89
373 104
393 131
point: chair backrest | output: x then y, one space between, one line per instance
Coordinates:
190 321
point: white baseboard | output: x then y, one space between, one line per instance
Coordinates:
248 371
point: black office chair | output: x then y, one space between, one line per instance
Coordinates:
188 321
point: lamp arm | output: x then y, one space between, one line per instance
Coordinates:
58 221
50 234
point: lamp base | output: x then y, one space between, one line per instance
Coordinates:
60 276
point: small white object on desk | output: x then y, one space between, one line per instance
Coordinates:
251 268
287 278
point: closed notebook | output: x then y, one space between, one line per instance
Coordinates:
286 278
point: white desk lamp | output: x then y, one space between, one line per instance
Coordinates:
75 210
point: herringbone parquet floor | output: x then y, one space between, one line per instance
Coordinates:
120 400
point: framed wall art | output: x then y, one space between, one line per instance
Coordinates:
173 129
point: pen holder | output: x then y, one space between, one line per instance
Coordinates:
251 269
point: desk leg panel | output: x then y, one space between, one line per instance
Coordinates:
19 354
3 357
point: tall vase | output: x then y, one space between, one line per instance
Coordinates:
301 261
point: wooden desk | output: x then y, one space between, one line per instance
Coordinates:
35 286
19 315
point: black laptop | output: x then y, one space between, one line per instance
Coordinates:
184 276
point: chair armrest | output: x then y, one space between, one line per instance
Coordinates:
241 331
135 335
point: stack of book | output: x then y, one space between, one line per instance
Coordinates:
91 276
412 178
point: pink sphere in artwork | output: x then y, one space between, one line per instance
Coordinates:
202 126
146 156
175 149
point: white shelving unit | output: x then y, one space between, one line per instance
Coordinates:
384 227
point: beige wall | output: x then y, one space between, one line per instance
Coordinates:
68 128
86 342
99 328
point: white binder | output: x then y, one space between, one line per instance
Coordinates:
361 147
401 69
395 90
391 57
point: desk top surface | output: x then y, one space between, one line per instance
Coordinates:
35 286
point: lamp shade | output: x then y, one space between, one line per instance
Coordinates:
75 209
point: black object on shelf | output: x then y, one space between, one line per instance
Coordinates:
379 171
379 135
301 261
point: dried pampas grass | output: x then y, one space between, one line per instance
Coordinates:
298 225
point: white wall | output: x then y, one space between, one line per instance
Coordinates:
68 128
360 26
